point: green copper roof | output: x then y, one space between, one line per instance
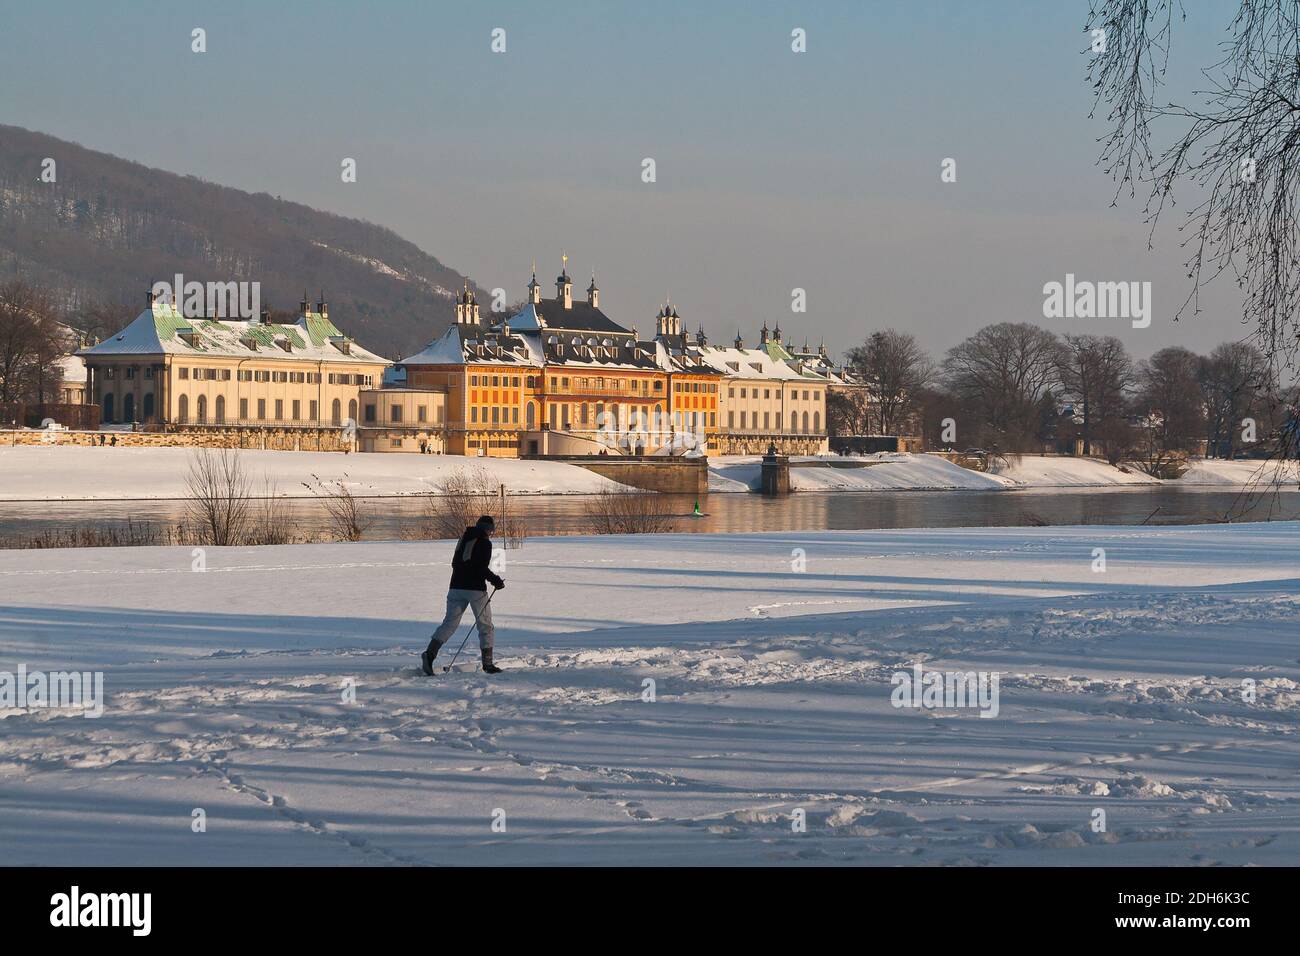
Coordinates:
320 328
167 321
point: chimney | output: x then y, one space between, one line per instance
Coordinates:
322 306
302 306
265 317
148 296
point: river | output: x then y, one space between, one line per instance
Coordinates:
804 511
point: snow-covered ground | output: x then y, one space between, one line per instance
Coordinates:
883 472
52 472
905 472
772 657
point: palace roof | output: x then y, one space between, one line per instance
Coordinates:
162 330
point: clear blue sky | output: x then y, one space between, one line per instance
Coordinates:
775 170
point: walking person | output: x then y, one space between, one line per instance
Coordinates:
470 575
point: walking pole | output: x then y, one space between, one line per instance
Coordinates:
468 633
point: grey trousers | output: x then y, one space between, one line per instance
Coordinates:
457 601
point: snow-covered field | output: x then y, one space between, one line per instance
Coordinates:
1120 691
51 473
42 473
905 472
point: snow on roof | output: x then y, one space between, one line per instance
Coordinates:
162 330
476 345
751 363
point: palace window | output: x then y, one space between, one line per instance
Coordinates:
261 409
395 413
243 408
279 409
297 410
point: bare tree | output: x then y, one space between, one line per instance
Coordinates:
220 496
1235 385
461 497
31 343
1002 377
1168 399
344 511
848 411
104 318
895 367
631 511
1236 146
271 519
1096 373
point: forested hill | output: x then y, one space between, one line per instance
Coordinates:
106 227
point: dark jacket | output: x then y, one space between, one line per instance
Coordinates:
469 565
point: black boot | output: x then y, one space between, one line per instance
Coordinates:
426 659
488 666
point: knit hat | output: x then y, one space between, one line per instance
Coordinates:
486 523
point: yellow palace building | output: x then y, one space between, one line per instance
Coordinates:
560 377
170 371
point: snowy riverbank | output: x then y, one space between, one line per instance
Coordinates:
1120 690
52 473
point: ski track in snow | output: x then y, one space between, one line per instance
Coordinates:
1120 692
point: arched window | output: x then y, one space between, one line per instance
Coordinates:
183 409
352 410
805 421
531 413
108 407
128 407
337 413
794 421
148 407
221 410
201 409
817 422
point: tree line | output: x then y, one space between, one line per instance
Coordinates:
1017 387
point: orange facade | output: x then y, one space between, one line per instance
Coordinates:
489 407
